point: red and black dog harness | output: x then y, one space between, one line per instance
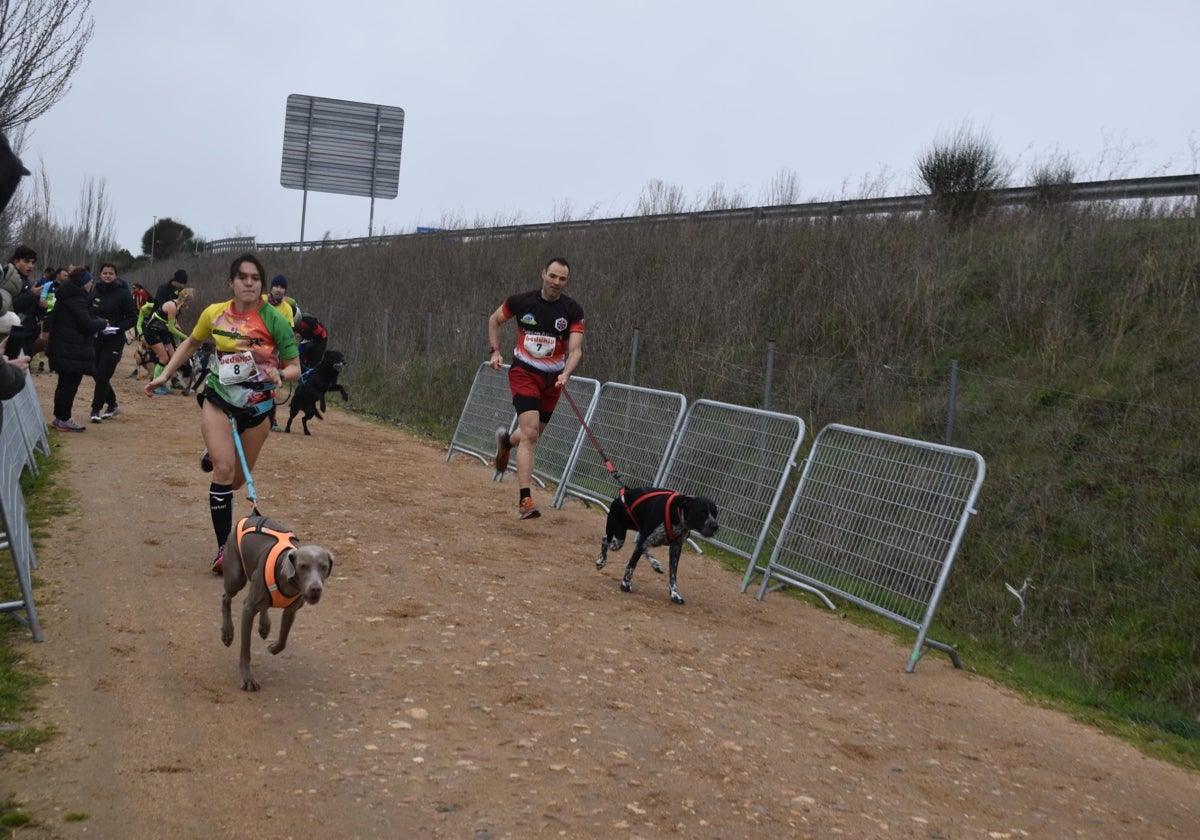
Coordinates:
671 497
283 541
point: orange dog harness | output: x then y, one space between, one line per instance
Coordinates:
283 541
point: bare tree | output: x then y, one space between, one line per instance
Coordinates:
659 197
718 199
41 45
783 189
94 222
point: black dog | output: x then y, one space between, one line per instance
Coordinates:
200 363
310 395
660 517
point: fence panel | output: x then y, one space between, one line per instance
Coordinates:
26 412
488 406
14 455
634 426
740 458
877 520
560 438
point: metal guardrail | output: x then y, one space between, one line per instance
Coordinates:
1165 186
240 244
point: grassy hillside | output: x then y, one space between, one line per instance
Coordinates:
1073 330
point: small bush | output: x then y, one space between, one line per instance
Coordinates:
958 171
1051 182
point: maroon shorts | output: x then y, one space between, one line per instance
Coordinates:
533 391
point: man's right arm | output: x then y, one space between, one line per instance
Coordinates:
496 358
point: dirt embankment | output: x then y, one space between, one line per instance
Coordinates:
469 675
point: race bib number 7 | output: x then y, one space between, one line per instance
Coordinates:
540 346
235 368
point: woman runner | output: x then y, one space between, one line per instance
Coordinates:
256 352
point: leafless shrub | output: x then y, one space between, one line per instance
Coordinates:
1051 181
784 189
958 171
659 198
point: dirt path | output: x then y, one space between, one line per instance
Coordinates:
471 676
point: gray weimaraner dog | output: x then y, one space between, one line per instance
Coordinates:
281 573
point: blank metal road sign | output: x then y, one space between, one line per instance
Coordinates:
336 146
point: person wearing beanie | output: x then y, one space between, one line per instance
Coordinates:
171 289
279 299
72 349
287 308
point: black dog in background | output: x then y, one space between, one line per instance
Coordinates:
309 398
660 517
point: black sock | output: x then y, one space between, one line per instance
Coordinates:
525 494
220 503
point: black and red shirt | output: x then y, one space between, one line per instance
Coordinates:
543 327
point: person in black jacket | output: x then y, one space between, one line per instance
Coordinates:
12 373
72 344
27 305
112 301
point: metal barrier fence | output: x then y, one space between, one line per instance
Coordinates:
561 435
635 427
489 407
18 439
25 410
877 520
740 458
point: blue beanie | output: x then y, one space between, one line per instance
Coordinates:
279 280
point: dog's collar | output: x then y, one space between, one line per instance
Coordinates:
283 541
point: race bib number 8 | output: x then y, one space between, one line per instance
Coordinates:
540 346
235 368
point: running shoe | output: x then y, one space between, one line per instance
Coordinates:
111 413
162 391
96 417
67 425
205 461
526 510
503 450
218 563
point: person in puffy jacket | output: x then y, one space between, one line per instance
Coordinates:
72 344
112 301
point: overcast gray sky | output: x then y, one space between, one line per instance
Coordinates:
525 111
